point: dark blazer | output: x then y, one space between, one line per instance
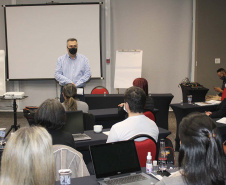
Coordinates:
221 110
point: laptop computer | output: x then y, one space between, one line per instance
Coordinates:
118 163
75 126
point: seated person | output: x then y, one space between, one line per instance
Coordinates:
137 122
201 156
28 158
222 75
143 84
71 102
149 105
220 112
51 115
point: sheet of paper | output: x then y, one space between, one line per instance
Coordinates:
80 91
128 67
222 120
2 72
159 177
106 133
211 102
202 103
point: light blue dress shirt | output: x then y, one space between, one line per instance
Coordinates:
70 70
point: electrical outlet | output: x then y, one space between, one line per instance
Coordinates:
217 60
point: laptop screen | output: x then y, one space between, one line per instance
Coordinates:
115 158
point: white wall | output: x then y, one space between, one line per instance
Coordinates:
161 28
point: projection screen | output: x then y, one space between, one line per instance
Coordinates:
36 36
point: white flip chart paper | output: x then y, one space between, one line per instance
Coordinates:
127 67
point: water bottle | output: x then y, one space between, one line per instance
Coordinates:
162 158
149 163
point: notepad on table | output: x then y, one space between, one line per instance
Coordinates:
222 120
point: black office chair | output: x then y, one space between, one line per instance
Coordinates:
89 121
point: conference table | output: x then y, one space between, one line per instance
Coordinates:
101 138
108 101
182 110
106 117
89 180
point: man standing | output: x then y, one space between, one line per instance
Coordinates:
222 75
72 68
136 123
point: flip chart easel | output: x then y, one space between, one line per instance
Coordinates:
128 66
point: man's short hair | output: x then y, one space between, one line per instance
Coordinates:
71 39
221 70
136 98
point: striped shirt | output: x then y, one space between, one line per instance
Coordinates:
70 70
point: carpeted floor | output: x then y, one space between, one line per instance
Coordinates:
7 119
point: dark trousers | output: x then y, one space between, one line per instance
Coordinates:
80 97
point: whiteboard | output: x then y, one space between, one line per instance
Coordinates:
37 34
128 66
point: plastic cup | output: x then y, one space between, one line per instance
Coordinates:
155 166
98 128
189 99
65 176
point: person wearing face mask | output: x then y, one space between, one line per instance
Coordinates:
222 75
72 68
136 123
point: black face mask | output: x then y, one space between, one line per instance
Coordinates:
73 51
223 78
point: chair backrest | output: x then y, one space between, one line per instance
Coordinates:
68 158
145 146
74 122
150 115
223 95
89 121
99 90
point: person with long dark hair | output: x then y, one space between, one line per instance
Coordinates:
143 84
71 102
201 156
